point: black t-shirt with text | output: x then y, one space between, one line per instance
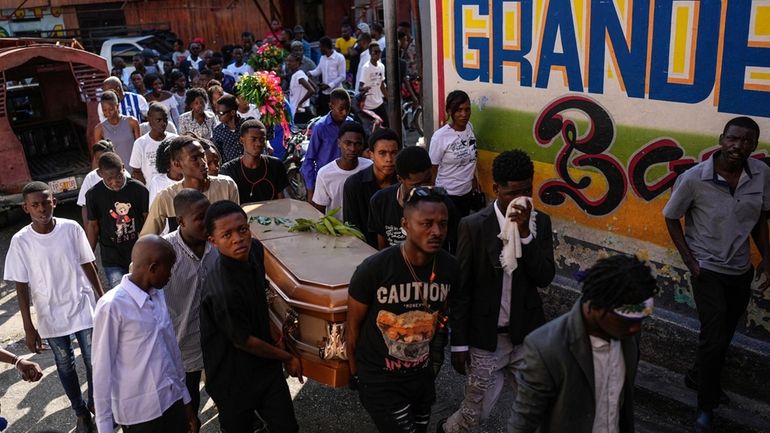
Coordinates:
259 184
121 216
394 339
385 215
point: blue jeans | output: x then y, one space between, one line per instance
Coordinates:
65 367
114 274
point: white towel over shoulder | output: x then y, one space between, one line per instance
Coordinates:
509 233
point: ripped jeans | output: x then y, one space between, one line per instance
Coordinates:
487 374
65 367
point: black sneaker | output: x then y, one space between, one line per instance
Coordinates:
691 383
85 424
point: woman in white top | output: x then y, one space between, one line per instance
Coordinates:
453 154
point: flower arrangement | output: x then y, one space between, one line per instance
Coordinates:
263 89
267 58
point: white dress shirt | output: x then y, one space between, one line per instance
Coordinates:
137 366
332 70
609 377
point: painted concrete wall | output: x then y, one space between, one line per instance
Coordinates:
612 99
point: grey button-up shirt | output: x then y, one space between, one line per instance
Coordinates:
183 298
718 223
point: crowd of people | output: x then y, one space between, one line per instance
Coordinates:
185 280
308 76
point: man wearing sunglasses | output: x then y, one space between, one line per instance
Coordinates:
397 300
497 305
579 369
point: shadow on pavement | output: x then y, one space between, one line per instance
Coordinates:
32 412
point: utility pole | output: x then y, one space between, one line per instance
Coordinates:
393 74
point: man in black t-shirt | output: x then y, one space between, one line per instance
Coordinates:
386 207
397 300
242 355
259 177
116 210
359 188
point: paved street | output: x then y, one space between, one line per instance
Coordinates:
43 408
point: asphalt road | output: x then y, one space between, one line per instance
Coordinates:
43 407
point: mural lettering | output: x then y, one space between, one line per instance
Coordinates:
659 50
592 146
592 151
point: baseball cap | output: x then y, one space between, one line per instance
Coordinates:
363 27
298 29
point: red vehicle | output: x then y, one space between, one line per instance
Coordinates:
48 102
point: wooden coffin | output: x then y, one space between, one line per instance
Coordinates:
308 275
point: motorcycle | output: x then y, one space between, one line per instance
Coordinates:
411 109
295 155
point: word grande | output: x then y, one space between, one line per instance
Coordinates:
723 50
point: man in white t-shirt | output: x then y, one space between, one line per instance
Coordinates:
372 84
52 264
142 161
330 183
300 89
238 68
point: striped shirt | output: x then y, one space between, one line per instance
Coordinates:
133 105
183 298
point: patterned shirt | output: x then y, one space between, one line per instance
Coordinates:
183 295
228 141
187 123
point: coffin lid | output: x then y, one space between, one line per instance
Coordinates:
309 269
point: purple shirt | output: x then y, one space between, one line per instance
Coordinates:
322 149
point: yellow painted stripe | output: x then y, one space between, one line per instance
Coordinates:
579 14
447 34
762 21
760 76
511 22
469 22
681 26
539 5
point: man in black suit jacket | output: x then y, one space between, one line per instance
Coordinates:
493 310
579 369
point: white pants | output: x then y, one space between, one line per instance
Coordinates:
487 374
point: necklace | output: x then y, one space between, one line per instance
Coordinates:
414 275
399 196
256 182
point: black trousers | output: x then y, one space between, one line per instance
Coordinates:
173 420
721 301
399 405
322 104
382 111
273 404
193 382
463 204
